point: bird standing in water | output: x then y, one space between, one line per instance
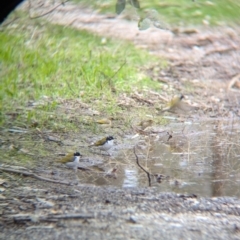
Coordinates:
104 144
75 161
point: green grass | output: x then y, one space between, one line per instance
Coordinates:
42 63
181 12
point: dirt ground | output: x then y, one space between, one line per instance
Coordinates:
86 212
210 59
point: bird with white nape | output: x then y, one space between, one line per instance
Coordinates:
104 144
74 164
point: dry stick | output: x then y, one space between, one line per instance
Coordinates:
8 23
26 218
169 136
70 216
118 69
148 174
187 141
109 78
142 99
50 11
70 88
33 175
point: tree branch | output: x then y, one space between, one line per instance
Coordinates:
33 175
148 174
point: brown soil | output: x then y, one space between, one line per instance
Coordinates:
209 59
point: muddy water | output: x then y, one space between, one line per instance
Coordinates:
202 157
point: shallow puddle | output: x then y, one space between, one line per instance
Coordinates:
200 157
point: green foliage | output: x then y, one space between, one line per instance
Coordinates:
43 63
121 4
176 12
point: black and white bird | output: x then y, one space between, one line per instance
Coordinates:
104 144
75 161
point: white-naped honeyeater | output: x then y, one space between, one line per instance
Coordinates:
104 144
68 158
174 103
75 161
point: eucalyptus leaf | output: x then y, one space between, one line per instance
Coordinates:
120 6
135 3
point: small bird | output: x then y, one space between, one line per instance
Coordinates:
104 144
104 121
174 103
68 158
75 161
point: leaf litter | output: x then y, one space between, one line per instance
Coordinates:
203 65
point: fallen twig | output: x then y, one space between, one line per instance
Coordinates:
169 136
140 99
221 50
46 13
20 218
110 82
234 81
70 216
28 174
148 174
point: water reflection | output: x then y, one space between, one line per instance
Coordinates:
218 155
200 158
131 177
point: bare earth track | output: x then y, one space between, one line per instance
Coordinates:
35 210
201 55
